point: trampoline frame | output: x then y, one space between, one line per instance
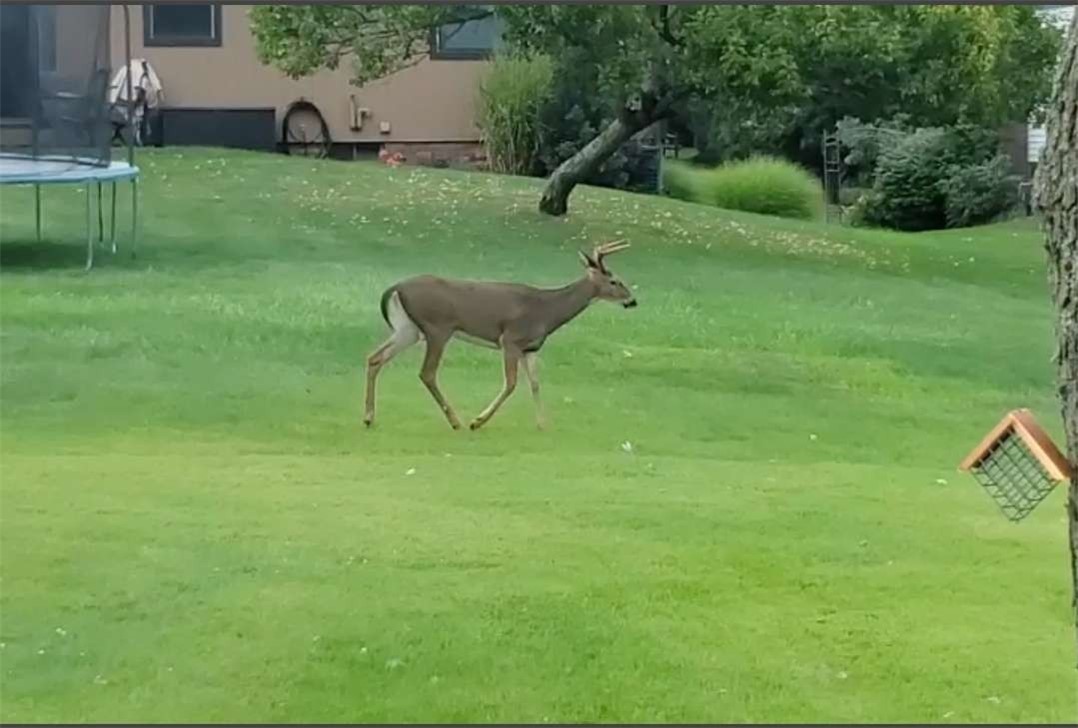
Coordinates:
92 175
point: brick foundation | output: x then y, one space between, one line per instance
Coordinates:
458 155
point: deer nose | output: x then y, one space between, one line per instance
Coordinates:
631 303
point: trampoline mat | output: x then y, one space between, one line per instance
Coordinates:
17 169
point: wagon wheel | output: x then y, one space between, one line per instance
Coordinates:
305 131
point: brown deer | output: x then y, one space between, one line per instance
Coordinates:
509 316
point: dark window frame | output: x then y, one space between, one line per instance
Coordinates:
437 53
176 41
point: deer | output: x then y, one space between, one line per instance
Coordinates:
514 318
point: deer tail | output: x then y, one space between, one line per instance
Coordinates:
384 304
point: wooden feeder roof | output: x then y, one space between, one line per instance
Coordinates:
1022 423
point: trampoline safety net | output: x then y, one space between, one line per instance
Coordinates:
54 77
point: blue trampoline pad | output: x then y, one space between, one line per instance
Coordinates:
17 169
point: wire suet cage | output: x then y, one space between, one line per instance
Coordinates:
1017 464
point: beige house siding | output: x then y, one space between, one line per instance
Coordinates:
431 102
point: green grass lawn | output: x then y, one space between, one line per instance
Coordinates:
195 526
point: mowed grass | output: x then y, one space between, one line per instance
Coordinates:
195 526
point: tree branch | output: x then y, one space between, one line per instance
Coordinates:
664 30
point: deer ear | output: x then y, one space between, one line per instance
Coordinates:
588 261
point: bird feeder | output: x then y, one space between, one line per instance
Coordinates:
1017 464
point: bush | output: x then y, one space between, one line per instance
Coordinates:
935 178
681 180
979 193
862 143
578 109
731 130
850 196
906 190
568 127
536 112
512 96
763 185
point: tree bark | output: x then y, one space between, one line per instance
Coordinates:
1057 199
635 117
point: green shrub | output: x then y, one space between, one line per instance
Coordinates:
906 190
864 212
979 193
935 178
681 180
512 96
862 143
556 106
850 196
569 124
764 185
575 114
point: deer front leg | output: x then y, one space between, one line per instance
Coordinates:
429 376
512 360
531 369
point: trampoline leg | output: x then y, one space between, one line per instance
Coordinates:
134 214
112 220
100 217
89 228
37 210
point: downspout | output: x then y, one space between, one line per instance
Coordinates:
130 89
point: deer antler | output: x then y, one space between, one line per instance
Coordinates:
601 251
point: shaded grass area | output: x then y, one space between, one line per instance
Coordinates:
196 528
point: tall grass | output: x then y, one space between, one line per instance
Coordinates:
511 97
764 185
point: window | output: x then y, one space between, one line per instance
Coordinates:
46 36
16 62
469 40
182 24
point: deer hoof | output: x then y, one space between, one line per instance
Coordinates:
475 425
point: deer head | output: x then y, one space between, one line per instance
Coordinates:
608 286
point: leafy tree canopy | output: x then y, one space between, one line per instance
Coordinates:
779 71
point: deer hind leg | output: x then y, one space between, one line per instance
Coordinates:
405 334
512 360
531 369
429 376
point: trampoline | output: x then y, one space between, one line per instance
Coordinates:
55 119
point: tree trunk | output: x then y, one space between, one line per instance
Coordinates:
637 115
1057 199
583 164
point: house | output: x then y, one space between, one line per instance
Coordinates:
217 92
1023 142
1059 16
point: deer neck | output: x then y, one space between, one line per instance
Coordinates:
566 303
